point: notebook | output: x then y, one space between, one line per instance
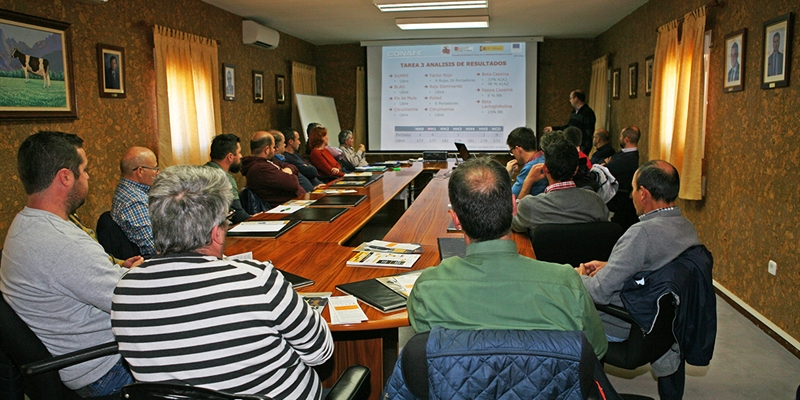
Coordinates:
323 214
339 200
297 281
452 247
374 294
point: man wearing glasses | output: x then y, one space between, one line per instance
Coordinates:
138 169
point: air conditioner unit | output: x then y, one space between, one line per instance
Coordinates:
257 35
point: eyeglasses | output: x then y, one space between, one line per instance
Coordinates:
511 150
146 167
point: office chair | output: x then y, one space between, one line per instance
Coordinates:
113 239
674 304
251 202
351 385
492 364
39 369
575 243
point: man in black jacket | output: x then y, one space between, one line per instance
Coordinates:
292 156
583 118
623 165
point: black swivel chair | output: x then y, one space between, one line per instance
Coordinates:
113 239
575 243
251 202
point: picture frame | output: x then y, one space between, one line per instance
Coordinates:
633 80
228 82
35 87
258 86
777 55
733 74
648 75
280 88
615 84
111 71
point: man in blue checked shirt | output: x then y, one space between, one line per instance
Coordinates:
138 169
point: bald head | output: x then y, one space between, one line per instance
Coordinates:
140 165
261 141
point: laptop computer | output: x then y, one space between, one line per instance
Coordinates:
462 151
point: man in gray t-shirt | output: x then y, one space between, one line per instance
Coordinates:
54 275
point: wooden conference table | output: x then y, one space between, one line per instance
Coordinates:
314 250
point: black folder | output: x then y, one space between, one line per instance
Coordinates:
316 214
450 247
283 230
297 281
339 200
375 294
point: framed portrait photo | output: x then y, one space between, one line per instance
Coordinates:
111 70
280 88
615 84
777 56
733 76
37 79
633 80
648 75
228 82
258 86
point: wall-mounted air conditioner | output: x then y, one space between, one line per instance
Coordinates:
257 35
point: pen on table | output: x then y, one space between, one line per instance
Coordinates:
285 209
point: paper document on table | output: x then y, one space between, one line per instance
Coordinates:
359 174
390 247
401 284
241 256
298 202
345 310
283 209
259 226
336 191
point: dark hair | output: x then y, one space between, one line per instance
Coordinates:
523 137
288 134
580 95
573 134
312 126
43 154
256 146
343 136
632 133
561 159
224 144
316 135
480 194
602 134
661 180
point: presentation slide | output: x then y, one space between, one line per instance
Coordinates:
428 94
433 96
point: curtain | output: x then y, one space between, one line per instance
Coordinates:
676 108
598 91
360 128
187 96
304 81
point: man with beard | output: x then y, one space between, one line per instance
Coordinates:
226 154
57 278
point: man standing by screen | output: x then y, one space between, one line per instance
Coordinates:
582 117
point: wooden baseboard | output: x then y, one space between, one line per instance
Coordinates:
780 336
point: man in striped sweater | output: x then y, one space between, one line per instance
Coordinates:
192 317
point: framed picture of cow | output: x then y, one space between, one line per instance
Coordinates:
37 79
111 70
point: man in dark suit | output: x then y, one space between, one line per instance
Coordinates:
583 118
112 74
623 165
733 72
775 60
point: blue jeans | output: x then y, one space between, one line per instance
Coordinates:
112 382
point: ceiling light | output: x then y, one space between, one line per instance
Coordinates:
421 5
466 22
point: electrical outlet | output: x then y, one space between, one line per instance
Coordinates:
772 267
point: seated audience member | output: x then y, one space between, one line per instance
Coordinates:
291 154
351 158
335 152
271 180
226 154
582 178
138 168
661 235
280 148
574 135
494 287
329 169
602 143
524 147
562 202
189 316
623 165
55 277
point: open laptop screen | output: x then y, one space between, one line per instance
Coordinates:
462 151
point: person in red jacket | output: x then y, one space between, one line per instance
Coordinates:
327 166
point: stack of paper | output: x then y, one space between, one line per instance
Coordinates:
259 226
382 260
299 202
335 191
402 284
359 174
345 310
381 246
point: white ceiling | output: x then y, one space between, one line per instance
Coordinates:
322 22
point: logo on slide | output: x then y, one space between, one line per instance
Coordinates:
445 49
492 48
516 48
462 49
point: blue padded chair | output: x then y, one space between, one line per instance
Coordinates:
251 202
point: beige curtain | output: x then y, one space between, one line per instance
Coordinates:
676 108
304 81
598 91
187 96
360 128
